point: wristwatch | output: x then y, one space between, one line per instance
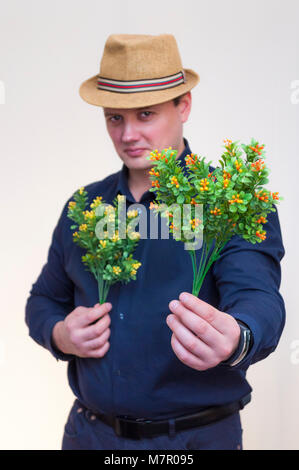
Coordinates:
244 346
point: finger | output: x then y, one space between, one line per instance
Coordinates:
98 342
206 311
190 341
94 313
200 327
98 353
97 329
186 356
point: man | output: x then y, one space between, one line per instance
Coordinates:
155 367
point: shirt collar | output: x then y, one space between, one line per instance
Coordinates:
122 184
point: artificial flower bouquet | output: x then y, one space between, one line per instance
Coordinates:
109 253
230 200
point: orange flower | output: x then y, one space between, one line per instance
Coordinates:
257 148
153 206
191 159
204 183
155 155
258 165
215 211
227 142
261 235
235 199
262 195
238 166
153 172
175 181
194 223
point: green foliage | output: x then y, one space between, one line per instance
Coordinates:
109 253
232 196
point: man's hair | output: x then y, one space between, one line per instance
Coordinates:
177 99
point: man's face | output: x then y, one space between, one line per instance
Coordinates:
136 132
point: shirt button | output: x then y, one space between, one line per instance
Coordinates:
121 316
79 410
93 417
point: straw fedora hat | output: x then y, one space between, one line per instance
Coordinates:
138 70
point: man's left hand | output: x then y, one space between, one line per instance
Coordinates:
202 335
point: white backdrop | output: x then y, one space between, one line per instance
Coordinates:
52 142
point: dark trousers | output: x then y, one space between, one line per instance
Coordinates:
83 432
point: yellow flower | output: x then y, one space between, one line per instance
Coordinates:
72 204
83 227
116 270
136 265
81 190
134 235
115 237
89 215
132 213
103 243
75 234
133 272
96 202
109 210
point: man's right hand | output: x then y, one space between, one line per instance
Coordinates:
84 332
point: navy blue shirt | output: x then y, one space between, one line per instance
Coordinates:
140 375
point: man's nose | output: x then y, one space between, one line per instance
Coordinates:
130 132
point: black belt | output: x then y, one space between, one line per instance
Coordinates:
142 427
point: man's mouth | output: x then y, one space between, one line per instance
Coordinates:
135 152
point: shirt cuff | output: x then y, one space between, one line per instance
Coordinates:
49 343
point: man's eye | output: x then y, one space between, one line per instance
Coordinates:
146 113
115 118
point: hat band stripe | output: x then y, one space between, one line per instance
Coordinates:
140 82
141 85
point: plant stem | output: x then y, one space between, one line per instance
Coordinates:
100 288
193 259
205 264
106 290
203 261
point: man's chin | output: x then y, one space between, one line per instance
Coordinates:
138 162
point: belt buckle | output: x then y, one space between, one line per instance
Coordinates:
126 427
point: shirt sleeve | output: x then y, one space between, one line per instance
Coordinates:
51 297
248 278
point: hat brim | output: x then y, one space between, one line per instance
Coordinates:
109 99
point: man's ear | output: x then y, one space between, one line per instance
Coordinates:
185 106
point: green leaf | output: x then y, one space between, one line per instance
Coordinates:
264 181
180 199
